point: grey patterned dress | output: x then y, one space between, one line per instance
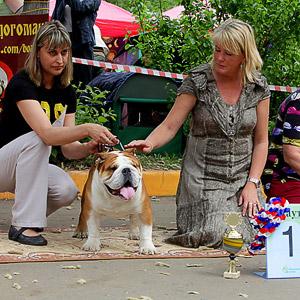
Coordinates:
216 161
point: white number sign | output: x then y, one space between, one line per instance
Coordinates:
283 247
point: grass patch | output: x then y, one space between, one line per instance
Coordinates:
160 161
149 162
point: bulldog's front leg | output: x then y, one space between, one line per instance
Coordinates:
134 233
146 244
93 242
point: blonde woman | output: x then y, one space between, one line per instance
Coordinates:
39 111
228 140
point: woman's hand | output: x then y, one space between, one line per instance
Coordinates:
249 200
141 145
101 135
91 147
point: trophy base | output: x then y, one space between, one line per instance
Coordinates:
232 275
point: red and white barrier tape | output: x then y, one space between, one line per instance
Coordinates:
158 73
279 88
127 68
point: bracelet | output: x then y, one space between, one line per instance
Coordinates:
254 180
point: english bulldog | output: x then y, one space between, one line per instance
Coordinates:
115 188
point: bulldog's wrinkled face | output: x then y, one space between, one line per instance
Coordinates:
120 171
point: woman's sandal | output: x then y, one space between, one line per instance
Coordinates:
17 235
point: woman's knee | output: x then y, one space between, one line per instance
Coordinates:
67 193
63 196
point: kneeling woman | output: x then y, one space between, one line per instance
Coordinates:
35 97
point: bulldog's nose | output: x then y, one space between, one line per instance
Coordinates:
127 175
126 171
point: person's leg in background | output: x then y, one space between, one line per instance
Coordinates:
83 73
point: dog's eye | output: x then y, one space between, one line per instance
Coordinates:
113 168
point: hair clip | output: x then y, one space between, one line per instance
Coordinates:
105 148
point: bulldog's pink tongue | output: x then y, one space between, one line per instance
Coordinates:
127 192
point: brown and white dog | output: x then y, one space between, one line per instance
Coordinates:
115 188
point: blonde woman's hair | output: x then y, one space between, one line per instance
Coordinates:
54 35
237 37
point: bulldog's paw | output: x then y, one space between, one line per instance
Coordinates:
147 247
134 235
80 235
92 244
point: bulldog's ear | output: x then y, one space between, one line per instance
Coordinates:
100 157
131 151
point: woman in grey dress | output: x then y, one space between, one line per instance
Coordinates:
227 145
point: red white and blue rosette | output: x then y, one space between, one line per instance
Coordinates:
267 220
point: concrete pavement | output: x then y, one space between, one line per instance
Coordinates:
131 279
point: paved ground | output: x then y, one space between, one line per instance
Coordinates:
163 212
131 279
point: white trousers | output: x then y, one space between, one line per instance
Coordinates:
40 188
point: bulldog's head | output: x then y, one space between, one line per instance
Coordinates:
120 172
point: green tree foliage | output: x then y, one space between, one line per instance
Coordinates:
154 5
174 45
179 45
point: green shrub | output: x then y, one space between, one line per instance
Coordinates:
91 108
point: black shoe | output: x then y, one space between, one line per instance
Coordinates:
17 235
37 229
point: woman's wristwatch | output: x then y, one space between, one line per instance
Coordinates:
254 180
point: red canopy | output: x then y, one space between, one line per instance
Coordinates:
175 12
112 20
115 21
